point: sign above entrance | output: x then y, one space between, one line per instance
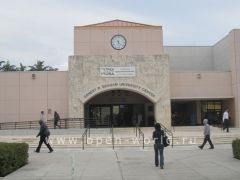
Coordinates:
141 89
117 71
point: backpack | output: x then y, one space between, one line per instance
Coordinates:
46 132
166 141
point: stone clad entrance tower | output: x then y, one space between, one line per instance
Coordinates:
119 64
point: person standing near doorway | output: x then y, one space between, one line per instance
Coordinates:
56 119
158 135
206 135
226 120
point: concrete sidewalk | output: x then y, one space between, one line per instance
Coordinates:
181 163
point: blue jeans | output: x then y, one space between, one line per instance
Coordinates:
158 147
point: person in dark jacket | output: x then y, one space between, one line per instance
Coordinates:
44 135
158 135
56 119
206 134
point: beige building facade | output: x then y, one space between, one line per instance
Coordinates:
120 71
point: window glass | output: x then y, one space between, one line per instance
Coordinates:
210 105
218 105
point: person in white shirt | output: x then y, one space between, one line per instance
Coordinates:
42 117
226 120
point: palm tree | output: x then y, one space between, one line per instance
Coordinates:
8 67
40 67
22 67
52 69
1 62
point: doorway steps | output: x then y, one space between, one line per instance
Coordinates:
121 140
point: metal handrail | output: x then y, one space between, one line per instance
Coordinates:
80 123
85 134
165 130
139 132
112 137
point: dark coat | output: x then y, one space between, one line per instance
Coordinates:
42 128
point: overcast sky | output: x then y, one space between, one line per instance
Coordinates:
32 30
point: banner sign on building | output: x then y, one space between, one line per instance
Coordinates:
117 71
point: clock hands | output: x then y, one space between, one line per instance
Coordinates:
119 43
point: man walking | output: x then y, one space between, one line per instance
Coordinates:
56 119
226 120
42 117
206 135
44 134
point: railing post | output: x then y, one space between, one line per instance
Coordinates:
143 141
30 124
112 137
65 123
89 131
136 130
83 141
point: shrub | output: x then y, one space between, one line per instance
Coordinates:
236 148
12 157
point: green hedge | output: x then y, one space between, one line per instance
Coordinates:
236 148
12 157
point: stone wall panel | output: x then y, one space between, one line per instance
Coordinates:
152 72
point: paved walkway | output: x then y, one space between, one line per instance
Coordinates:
181 163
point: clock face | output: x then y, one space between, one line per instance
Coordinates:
118 42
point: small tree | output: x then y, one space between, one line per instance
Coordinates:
40 67
52 69
8 67
22 67
1 62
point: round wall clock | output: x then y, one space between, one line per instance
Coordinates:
118 42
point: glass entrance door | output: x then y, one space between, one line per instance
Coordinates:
102 114
121 115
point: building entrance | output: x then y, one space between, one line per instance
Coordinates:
121 107
120 115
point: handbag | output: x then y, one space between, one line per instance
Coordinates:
46 132
166 141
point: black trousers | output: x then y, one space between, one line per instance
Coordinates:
226 125
43 139
207 138
56 124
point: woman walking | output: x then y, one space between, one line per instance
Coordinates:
158 135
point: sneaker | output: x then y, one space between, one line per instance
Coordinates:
50 151
200 147
161 167
36 151
211 148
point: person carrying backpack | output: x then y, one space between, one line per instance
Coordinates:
56 119
44 134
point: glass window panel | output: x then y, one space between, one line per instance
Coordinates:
218 105
105 115
210 105
204 106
